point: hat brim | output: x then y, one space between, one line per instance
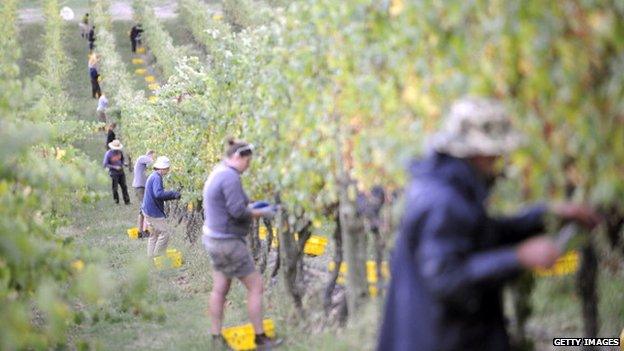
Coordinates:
115 147
480 145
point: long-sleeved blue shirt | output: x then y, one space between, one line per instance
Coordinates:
155 196
450 262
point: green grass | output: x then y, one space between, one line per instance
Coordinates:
183 38
31 51
71 3
182 294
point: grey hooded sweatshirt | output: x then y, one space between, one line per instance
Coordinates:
226 215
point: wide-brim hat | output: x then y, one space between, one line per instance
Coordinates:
115 145
476 127
162 162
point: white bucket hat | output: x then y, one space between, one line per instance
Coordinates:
476 126
115 145
162 162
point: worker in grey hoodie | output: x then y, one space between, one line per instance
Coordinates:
228 216
138 183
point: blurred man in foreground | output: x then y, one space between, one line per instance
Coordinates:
451 258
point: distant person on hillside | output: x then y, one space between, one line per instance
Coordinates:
154 208
101 108
114 161
138 183
91 38
110 134
452 258
228 217
84 26
95 84
135 36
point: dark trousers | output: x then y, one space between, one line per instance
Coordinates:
95 88
120 179
134 44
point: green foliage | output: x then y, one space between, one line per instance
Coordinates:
156 38
47 283
335 90
35 180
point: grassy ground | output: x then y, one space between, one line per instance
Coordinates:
182 293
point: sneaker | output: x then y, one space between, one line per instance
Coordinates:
263 342
218 343
144 234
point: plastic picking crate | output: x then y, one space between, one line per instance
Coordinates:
140 71
150 79
242 337
138 61
566 264
153 99
315 246
133 233
371 271
263 233
153 86
172 258
140 50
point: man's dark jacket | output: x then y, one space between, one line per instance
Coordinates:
450 262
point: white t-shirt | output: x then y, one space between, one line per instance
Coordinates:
102 103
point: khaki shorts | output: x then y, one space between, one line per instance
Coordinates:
229 256
139 193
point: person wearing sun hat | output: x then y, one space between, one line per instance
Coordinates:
153 207
452 259
114 161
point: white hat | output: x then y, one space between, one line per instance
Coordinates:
115 145
476 126
162 162
67 13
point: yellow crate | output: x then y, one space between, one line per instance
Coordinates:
150 79
371 271
77 265
133 233
242 337
140 71
172 258
138 61
140 50
566 264
153 86
152 99
315 246
217 16
263 233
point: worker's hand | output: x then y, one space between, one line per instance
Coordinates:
264 212
538 252
582 214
